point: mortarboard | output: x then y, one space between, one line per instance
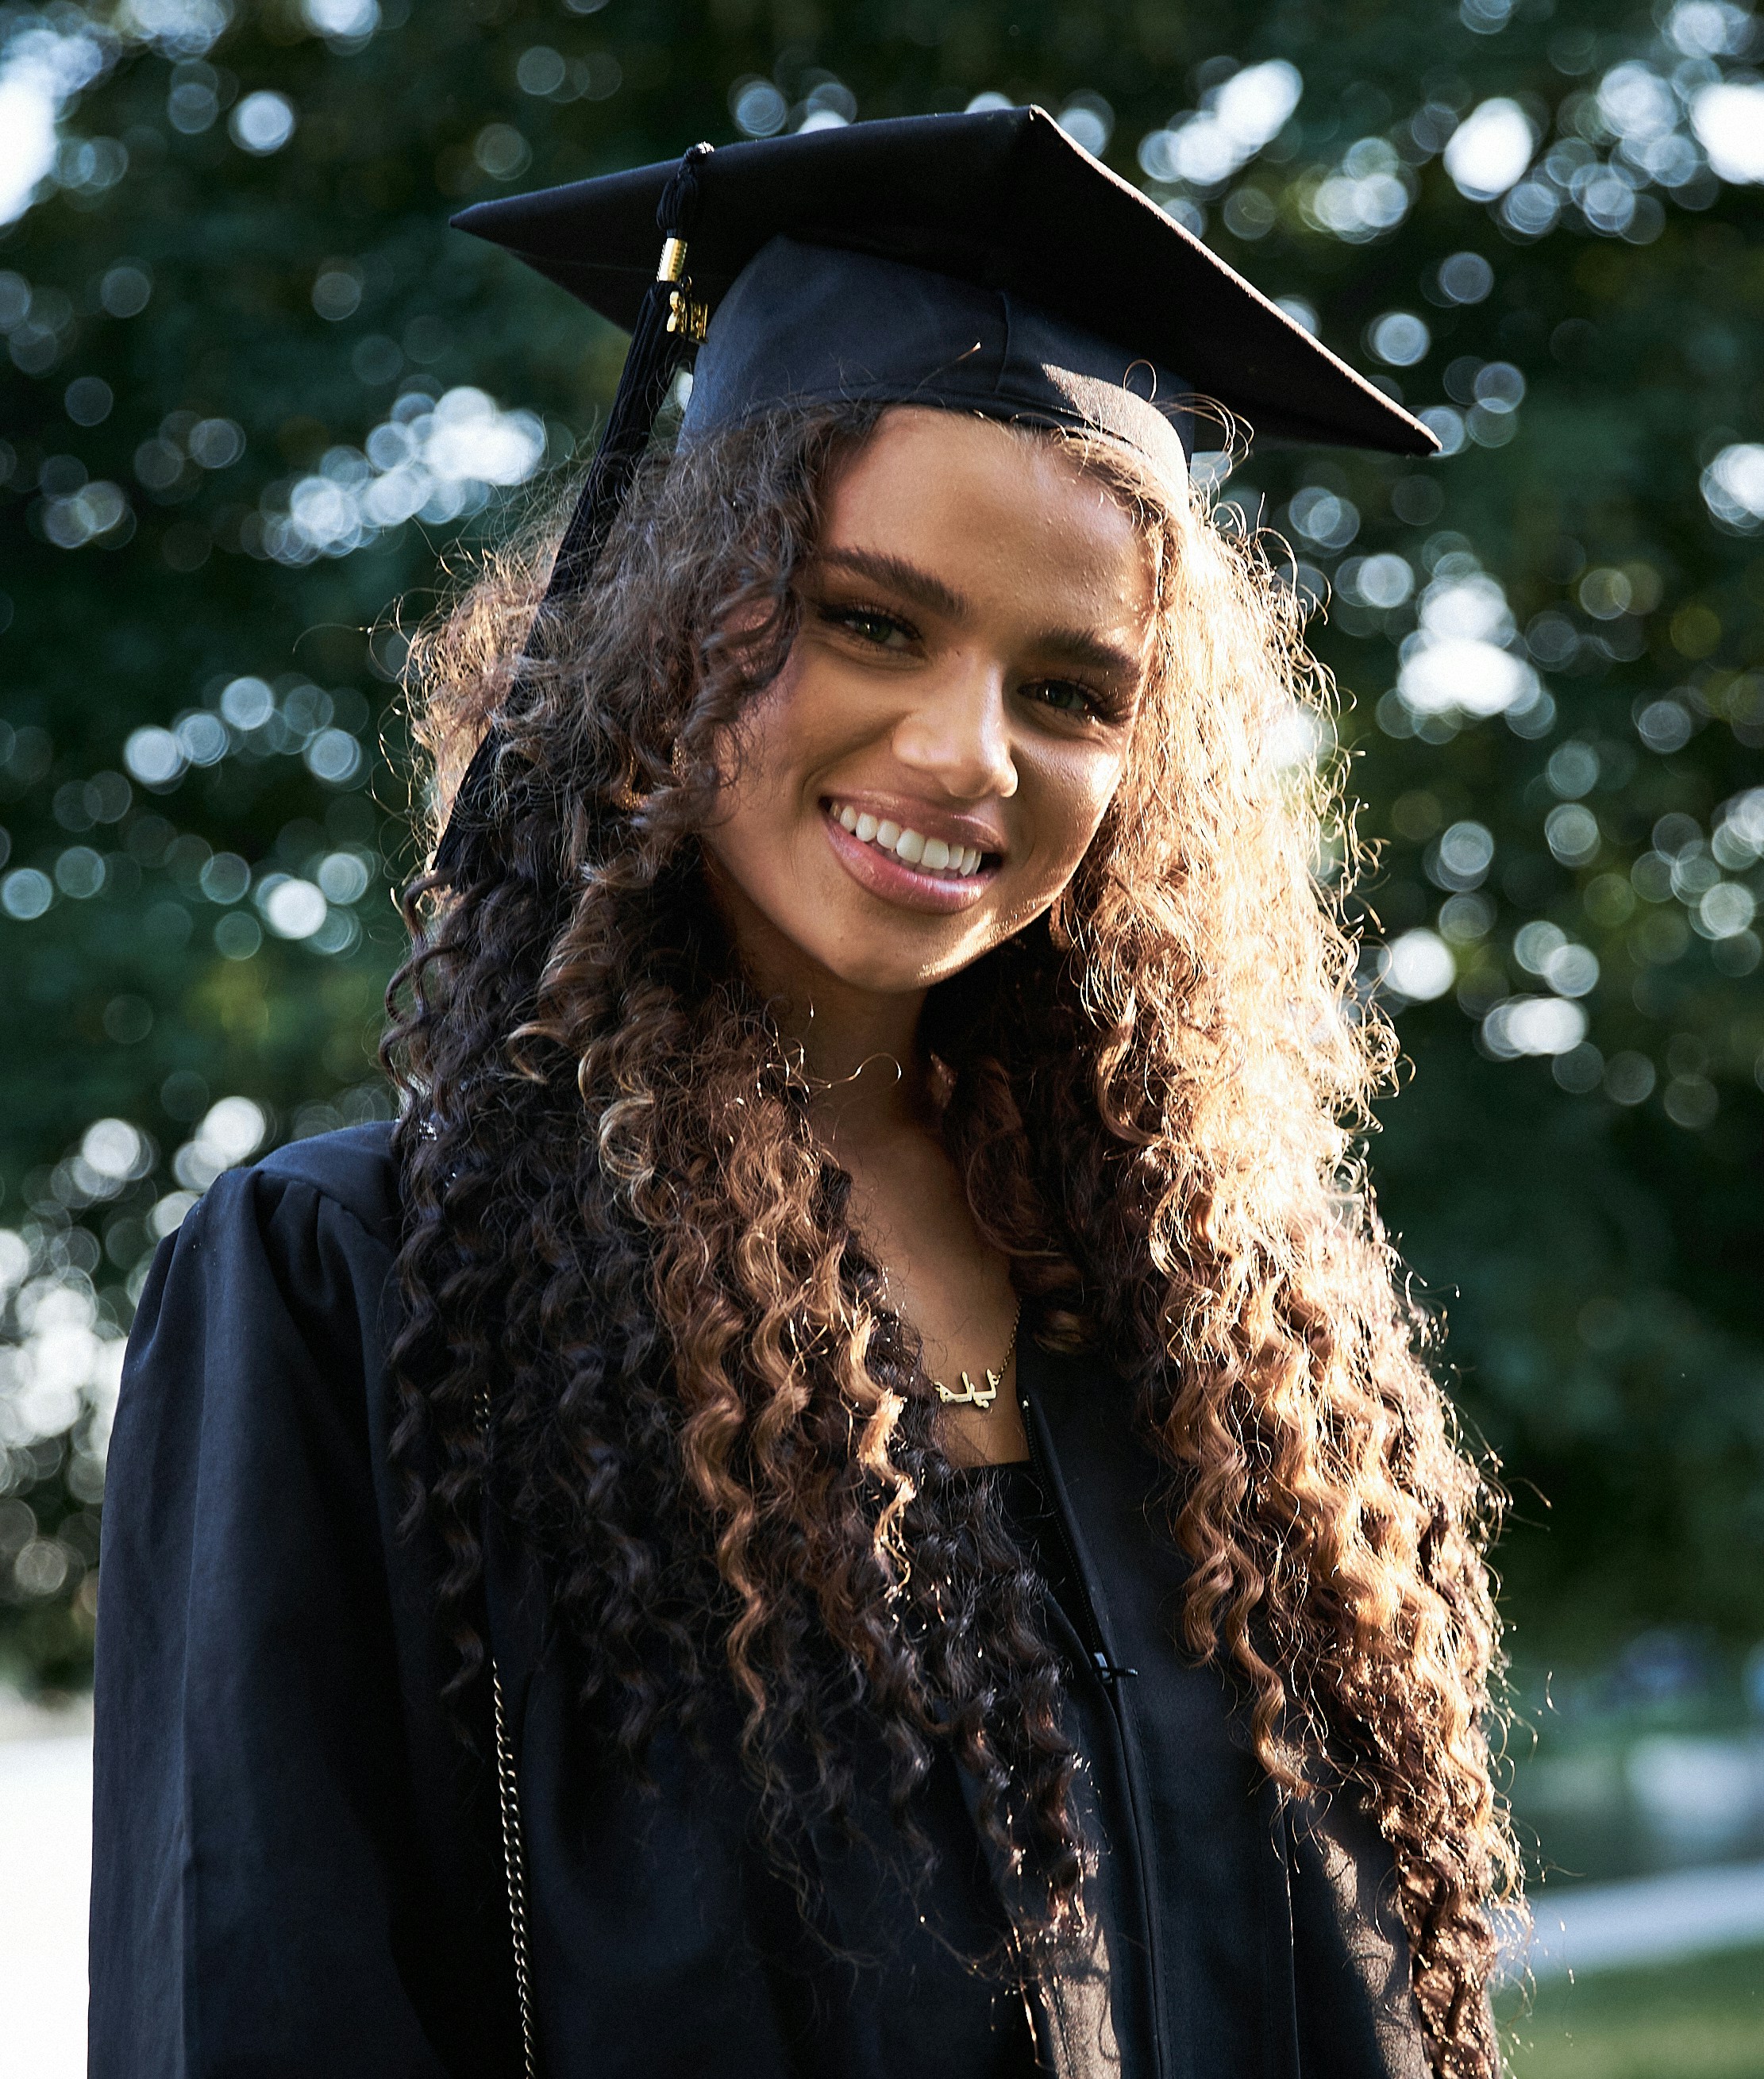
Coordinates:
983 263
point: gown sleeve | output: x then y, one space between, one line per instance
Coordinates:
256 1843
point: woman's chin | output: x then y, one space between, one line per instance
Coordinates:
874 964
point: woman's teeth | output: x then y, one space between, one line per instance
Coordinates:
929 855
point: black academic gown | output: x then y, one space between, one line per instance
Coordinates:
296 1869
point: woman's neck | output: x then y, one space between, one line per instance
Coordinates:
867 1068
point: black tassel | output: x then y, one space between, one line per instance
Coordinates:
668 326
665 333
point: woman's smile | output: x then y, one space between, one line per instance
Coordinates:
917 856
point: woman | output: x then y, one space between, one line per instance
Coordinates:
850 1491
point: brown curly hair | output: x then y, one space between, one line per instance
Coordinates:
706 1419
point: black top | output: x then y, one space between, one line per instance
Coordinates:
296 1865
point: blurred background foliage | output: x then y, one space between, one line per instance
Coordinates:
256 387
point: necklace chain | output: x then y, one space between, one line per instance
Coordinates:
982 1397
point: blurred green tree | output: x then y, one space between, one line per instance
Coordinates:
256 388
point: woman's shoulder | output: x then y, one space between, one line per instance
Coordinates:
353 1169
271 1305
314 1226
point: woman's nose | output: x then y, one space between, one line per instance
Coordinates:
956 734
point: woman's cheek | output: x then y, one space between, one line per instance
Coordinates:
1089 790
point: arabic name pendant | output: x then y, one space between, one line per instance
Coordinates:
982 1397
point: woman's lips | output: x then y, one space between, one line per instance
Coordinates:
896 880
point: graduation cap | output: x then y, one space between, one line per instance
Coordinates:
983 263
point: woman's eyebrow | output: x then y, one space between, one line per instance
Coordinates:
906 578
1080 646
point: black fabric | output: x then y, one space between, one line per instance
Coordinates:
295 1871
1003 200
296 1867
1254 1939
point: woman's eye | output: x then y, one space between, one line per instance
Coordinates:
1065 696
881 630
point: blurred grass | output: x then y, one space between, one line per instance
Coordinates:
1699 2018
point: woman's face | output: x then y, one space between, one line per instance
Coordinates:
925 776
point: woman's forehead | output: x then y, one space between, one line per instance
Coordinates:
938 502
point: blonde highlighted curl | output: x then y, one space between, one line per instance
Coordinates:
708 1423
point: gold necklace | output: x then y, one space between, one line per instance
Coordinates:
982 1397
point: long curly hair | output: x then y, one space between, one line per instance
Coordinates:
704 1417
